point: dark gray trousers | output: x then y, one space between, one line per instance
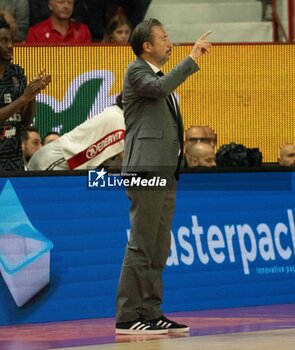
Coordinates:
140 283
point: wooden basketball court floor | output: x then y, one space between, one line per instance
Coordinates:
257 328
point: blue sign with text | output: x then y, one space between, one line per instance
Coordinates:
233 244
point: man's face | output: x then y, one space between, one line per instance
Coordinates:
194 135
61 9
201 154
207 160
160 47
6 50
31 145
287 157
50 138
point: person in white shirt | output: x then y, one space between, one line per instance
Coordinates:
87 146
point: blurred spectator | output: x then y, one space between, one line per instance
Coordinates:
254 156
211 135
237 155
96 19
39 11
31 143
16 14
267 10
100 13
200 154
195 134
59 28
49 137
88 145
17 102
134 9
287 155
118 30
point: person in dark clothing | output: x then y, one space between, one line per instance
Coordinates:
17 102
99 13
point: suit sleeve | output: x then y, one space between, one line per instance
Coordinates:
146 83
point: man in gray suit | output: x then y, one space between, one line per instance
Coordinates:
153 150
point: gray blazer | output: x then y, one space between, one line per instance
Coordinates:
154 129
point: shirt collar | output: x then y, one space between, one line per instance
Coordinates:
70 29
154 68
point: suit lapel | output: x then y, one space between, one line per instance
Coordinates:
177 117
174 108
171 104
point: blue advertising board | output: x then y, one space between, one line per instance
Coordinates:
62 243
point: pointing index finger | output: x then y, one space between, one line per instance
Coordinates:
204 36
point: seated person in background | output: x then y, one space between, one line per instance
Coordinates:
135 10
39 11
237 155
49 137
267 10
200 154
200 133
87 146
16 14
31 143
195 134
211 135
59 28
100 12
118 30
287 155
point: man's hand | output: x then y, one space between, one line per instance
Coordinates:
36 85
45 78
201 46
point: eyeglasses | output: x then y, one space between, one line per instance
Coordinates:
199 139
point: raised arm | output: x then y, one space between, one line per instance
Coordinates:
201 46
